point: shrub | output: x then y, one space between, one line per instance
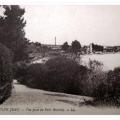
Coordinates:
63 75
57 74
113 82
35 76
5 73
113 86
95 78
95 65
31 75
109 91
20 71
92 78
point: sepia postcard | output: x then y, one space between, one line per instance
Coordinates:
60 59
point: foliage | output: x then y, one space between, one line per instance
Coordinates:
113 82
38 44
96 47
35 75
63 73
5 73
44 50
12 33
95 65
76 46
65 46
20 71
94 76
57 74
32 75
109 91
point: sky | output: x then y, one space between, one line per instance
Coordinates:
98 24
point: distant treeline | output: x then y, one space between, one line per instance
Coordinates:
96 47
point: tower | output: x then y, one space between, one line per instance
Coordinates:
55 40
91 48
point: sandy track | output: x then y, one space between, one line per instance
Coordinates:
25 100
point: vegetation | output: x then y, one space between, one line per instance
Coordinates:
65 74
12 44
109 91
12 33
75 50
55 75
65 46
5 73
97 48
96 76
76 46
61 74
20 71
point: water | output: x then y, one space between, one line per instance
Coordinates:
110 61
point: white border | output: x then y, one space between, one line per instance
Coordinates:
60 2
60 117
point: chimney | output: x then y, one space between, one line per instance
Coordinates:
55 40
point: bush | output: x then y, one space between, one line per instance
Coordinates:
96 78
57 74
20 71
63 75
95 65
31 75
93 77
35 76
109 91
113 82
5 73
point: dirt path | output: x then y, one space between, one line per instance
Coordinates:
25 100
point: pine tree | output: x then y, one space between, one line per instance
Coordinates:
13 35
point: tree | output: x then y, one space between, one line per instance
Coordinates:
38 44
65 46
6 75
76 46
12 32
97 48
44 50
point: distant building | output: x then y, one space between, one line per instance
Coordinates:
92 48
53 47
112 49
